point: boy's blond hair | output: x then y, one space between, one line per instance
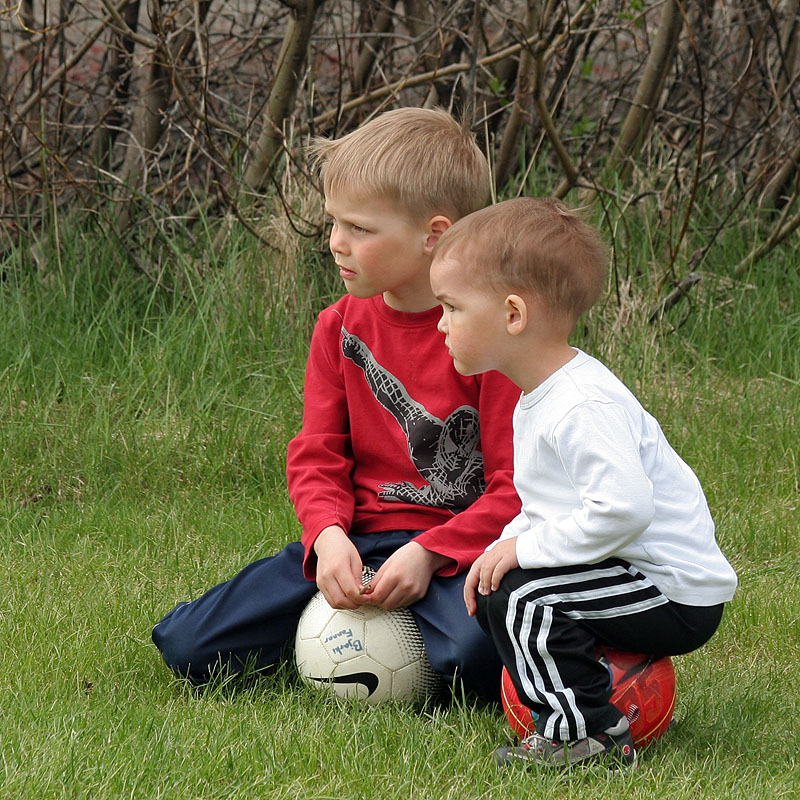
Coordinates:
420 158
537 245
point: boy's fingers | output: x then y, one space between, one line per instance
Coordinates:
487 571
470 583
339 596
469 600
469 590
497 575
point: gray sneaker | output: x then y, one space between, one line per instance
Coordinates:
613 746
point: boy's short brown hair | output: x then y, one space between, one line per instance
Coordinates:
420 158
532 244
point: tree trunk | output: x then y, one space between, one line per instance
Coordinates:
789 47
640 116
420 22
518 117
28 54
369 49
118 72
280 104
151 110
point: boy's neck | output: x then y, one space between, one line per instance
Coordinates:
542 347
411 300
540 363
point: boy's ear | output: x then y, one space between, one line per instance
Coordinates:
516 313
436 227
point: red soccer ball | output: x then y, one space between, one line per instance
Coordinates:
643 689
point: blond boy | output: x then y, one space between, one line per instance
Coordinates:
614 543
402 463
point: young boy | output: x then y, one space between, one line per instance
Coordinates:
402 464
614 543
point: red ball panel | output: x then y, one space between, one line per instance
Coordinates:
519 716
643 689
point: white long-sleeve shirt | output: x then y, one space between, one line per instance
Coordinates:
598 479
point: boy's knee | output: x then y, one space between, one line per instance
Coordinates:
491 607
470 659
178 647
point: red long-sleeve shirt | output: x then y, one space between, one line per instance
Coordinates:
393 438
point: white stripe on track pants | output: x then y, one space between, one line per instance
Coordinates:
546 624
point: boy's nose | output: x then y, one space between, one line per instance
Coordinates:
441 325
337 242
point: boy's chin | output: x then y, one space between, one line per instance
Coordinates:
462 369
360 292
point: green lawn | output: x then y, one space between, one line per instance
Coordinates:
142 443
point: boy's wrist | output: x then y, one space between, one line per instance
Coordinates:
327 535
435 560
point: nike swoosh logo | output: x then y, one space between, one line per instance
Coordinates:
368 679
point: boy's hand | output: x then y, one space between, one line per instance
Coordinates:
487 571
405 576
338 568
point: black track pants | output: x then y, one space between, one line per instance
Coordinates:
546 624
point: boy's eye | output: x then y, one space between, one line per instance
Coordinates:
359 229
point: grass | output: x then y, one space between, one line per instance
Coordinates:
142 446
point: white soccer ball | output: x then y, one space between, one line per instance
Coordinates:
369 654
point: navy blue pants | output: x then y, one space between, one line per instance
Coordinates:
547 622
252 619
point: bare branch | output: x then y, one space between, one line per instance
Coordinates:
123 27
680 291
21 112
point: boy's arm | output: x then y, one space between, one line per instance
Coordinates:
466 535
602 462
319 461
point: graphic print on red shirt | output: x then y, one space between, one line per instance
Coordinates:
444 452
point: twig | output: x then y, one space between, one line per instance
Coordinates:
36 98
121 27
680 291
786 226
408 82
